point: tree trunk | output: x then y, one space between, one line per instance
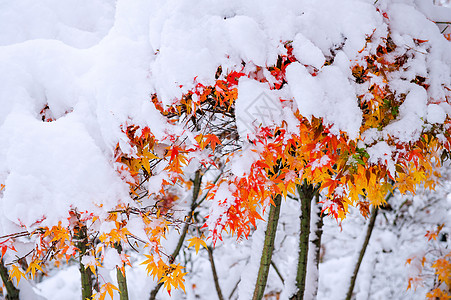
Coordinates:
86 274
122 283
86 282
306 194
317 243
369 230
12 291
268 247
121 277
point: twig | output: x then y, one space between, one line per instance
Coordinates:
15 235
215 274
364 246
234 289
277 271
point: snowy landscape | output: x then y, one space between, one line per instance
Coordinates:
156 149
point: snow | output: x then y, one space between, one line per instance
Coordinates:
80 24
242 162
89 68
65 284
407 20
249 277
409 124
434 12
306 52
305 89
435 114
256 106
381 152
105 73
329 95
47 167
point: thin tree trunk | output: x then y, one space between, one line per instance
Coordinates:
268 247
306 193
86 274
122 283
317 243
121 277
215 275
12 291
369 230
175 253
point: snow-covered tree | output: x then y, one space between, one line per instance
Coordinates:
175 119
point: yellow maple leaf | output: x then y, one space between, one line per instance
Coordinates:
200 140
443 270
174 277
17 273
34 265
155 269
108 288
437 293
91 263
196 242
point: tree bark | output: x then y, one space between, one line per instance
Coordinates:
86 282
317 243
122 283
369 230
12 291
268 247
306 193
86 274
121 277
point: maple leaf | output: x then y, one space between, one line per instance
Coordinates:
437 294
414 282
443 270
197 242
5 245
157 270
91 263
59 233
200 141
173 152
432 235
107 288
147 157
17 273
233 77
204 140
174 277
34 265
124 259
